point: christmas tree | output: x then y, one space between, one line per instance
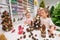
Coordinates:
6 21
56 15
42 4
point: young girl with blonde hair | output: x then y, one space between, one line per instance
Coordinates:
46 20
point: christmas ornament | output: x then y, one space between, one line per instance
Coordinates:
6 21
43 31
20 30
13 30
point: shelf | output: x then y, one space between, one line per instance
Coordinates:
13 2
20 1
4 4
24 0
31 2
20 6
25 3
20 9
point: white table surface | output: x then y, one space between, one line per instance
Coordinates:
15 35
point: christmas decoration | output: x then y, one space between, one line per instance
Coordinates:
6 21
43 31
42 4
13 30
37 22
24 36
20 30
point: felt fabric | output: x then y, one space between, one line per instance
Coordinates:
2 37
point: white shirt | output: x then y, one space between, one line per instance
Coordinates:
46 21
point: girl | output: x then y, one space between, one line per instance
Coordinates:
46 20
28 18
